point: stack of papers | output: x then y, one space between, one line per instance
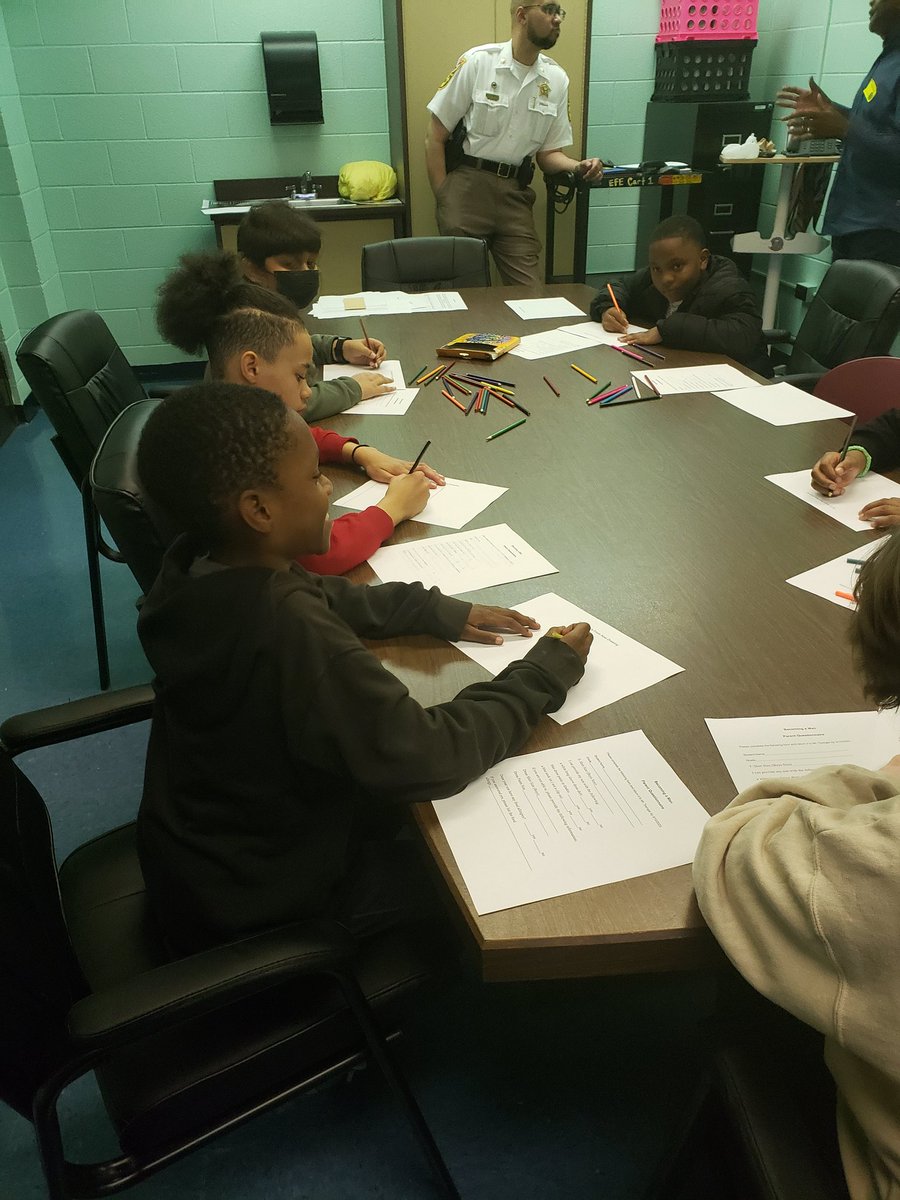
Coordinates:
381 303
617 665
550 306
782 404
454 505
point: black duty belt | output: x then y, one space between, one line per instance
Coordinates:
504 170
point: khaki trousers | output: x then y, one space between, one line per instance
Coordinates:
472 203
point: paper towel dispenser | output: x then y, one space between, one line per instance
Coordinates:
293 81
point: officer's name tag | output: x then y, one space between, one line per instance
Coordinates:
539 104
494 100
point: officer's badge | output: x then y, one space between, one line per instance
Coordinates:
452 73
544 89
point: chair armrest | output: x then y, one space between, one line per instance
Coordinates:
191 987
771 336
807 381
76 718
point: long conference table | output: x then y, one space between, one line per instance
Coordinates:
660 522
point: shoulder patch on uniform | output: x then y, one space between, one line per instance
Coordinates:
870 91
452 73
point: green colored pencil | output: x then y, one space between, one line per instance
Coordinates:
515 425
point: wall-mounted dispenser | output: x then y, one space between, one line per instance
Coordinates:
292 78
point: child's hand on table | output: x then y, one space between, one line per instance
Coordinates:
650 337
406 496
384 467
358 354
577 637
831 476
485 619
881 513
373 383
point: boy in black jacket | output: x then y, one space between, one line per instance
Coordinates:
690 299
281 749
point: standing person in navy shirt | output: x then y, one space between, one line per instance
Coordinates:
863 214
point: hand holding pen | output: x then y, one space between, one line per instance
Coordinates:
613 319
361 353
836 470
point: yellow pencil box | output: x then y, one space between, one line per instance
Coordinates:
485 346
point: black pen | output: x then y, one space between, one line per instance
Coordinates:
846 444
419 459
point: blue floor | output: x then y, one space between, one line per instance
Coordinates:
532 1091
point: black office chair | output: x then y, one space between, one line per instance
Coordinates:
425 264
854 314
141 532
82 381
761 1124
183 1049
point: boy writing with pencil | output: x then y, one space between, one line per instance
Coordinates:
690 300
875 445
279 250
281 749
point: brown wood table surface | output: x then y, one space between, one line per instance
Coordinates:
660 522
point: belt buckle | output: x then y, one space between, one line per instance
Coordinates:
506 170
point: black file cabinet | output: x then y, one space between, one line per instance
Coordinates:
727 201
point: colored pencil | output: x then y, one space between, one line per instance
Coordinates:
602 397
633 354
652 386
616 395
509 400
592 378
553 389
419 459
365 335
500 432
488 379
655 353
453 400
451 382
417 378
431 376
612 296
471 403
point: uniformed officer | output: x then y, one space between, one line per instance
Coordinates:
513 101
863 213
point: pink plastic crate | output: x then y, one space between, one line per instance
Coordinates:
719 20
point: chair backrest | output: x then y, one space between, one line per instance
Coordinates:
81 379
39 977
140 530
425 264
855 314
867 386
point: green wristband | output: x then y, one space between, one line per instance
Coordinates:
866 455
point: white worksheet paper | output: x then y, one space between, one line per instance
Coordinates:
548 343
617 665
672 381
454 505
594 334
391 404
548 306
755 748
782 404
462 562
835 576
843 508
575 817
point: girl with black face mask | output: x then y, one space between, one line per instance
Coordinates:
279 250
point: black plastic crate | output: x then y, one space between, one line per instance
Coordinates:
703 70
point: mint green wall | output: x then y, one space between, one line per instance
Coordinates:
133 107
